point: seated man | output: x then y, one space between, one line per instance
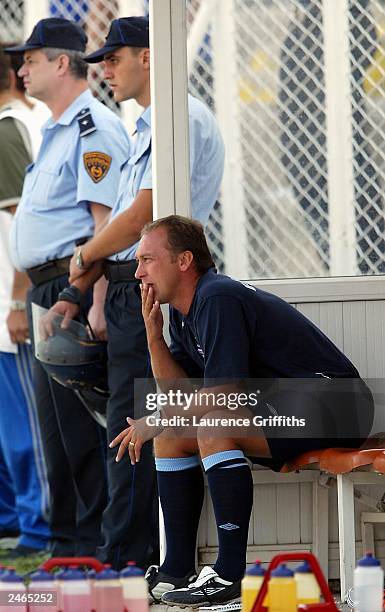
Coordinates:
302 393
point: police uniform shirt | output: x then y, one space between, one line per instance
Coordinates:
206 166
236 331
79 162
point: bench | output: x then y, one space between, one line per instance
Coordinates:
346 465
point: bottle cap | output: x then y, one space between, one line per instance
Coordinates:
256 570
304 568
11 576
282 572
131 571
73 573
107 574
368 561
41 575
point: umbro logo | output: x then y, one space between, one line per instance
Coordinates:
228 526
209 591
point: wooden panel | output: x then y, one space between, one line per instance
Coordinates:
288 513
330 322
311 311
354 331
265 514
375 325
306 511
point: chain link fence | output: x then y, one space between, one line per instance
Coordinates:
278 154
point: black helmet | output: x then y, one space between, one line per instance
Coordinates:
95 401
68 354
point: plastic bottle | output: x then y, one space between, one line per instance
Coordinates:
75 590
251 584
13 591
282 590
308 590
368 585
90 574
108 591
58 577
135 589
40 583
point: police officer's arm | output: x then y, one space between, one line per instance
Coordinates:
96 317
122 232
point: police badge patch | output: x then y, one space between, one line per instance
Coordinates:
97 165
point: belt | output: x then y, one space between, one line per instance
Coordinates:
116 271
49 270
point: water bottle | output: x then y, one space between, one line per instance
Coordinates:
251 584
90 575
108 591
282 590
13 591
308 590
75 590
58 577
40 583
368 585
135 589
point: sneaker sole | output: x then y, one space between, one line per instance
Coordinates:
200 605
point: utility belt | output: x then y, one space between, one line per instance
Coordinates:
117 271
49 270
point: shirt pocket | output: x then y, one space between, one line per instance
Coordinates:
43 190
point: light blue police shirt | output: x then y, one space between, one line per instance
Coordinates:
70 172
206 166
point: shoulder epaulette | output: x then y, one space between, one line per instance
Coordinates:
86 123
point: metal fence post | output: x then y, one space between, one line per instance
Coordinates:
339 138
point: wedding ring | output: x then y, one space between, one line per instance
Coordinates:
132 443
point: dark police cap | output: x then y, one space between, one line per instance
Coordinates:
55 33
124 32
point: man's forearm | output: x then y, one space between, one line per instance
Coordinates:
90 277
164 367
21 284
122 232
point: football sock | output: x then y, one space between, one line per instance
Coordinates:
231 489
181 492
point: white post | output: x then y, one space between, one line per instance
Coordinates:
226 98
169 112
34 11
339 138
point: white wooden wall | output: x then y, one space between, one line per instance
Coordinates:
352 313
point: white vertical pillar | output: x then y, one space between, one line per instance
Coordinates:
226 98
169 112
339 138
34 11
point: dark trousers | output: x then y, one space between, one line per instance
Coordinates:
74 449
130 520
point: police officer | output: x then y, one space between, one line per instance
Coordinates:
67 195
288 388
126 58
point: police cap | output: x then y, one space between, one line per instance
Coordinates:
56 33
124 32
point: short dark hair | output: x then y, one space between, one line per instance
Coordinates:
77 66
184 234
10 62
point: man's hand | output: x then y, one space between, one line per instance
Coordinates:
66 309
17 324
132 439
152 315
76 272
97 321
